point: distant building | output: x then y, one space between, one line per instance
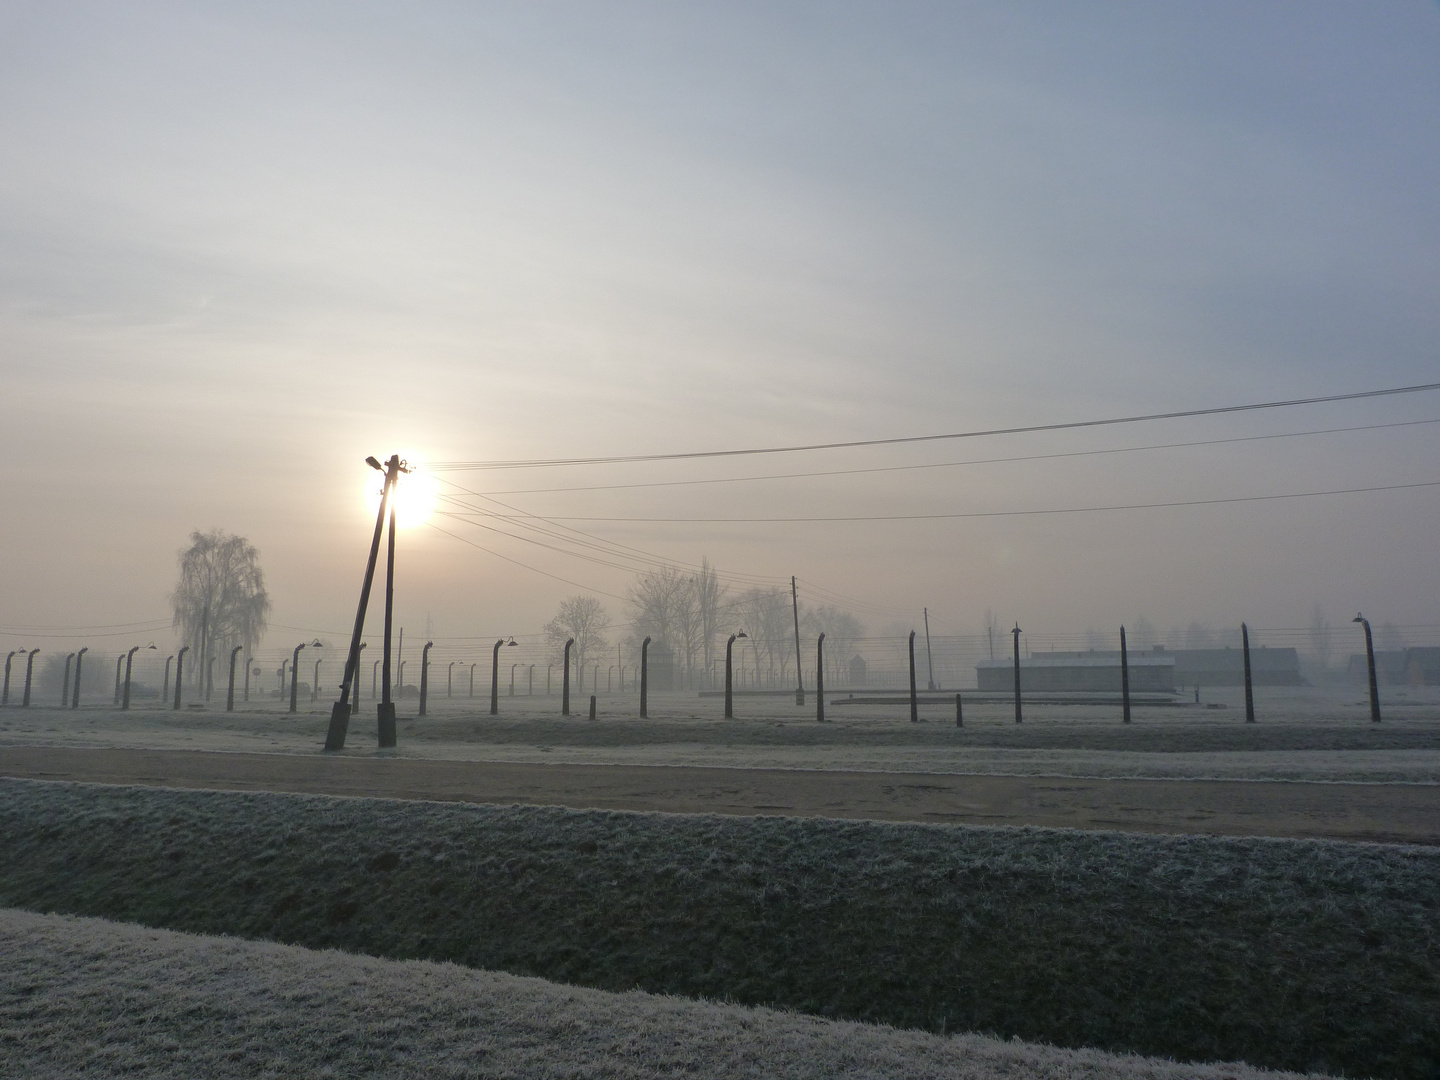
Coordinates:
1390 667
1422 666
858 670
1094 671
1226 667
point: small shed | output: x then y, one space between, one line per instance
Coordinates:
858 670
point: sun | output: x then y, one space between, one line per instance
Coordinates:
417 497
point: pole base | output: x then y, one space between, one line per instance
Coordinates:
385 713
339 726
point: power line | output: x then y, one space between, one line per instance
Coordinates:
475 466
998 513
947 464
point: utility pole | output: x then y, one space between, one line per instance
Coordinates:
799 664
340 711
929 659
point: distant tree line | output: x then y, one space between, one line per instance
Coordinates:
693 614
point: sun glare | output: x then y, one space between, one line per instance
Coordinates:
417 496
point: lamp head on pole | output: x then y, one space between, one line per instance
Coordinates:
1358 618
512 641
741 634
374 464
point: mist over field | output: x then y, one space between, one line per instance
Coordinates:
243 250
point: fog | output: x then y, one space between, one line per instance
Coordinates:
241 250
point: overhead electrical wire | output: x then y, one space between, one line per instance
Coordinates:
948 464
996 513
1073 425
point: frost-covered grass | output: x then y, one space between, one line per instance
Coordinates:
1295 954
1303 735
85 997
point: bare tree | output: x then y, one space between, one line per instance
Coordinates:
689 627
710 602
765 614
220 599
653 599
583 618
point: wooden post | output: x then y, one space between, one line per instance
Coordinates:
645 679
799 669
1016 633
959 712
592 706
179 672
230 693
79 656
1249 692
914 702
1124 676
820 679
565 697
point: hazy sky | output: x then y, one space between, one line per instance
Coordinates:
244 246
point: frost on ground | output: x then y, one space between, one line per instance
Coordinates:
89 998
1315 955
1302 734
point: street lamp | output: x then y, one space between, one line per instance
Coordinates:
129 660
472 680
79 656
315 682
512 677
495 675
249 663
530 689
165 686
1370 662
295 669
425 675
565 695
65 690
119 671
5 696
450 679
729 699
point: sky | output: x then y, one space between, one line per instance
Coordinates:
242 247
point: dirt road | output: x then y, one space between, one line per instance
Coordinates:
1392 813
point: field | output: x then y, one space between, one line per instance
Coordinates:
1284 953
84 997
1292 954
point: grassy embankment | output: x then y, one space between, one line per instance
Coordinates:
1293 954
87 997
